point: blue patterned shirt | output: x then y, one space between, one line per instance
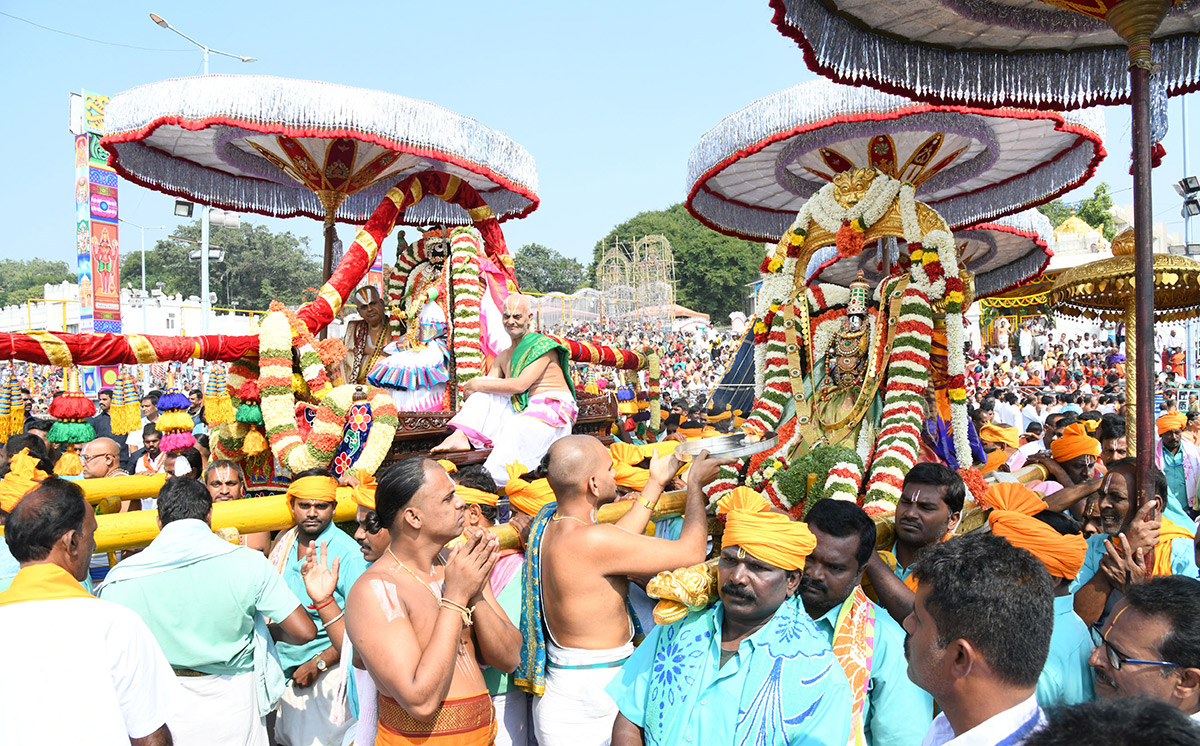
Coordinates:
784 686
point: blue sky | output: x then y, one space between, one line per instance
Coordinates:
608 97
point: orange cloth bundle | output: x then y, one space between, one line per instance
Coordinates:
22 478
1074 442
1062 555
527 497
313 488
995 460
769 537
1171 421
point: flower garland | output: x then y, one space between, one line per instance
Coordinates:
765 473
835 472
466 245
903 414
279 413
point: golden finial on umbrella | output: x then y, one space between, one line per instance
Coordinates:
1104 291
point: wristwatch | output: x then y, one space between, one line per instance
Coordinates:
321 666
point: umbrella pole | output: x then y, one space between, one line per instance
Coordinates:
1143 270
1132 410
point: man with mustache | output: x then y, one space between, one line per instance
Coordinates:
753 668
306 704
1151 646
928 511
1134 543
978 638
1180 462
888 709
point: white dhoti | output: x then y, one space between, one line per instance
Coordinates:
363 733
512 718
489 421
217 709
575 710
305 713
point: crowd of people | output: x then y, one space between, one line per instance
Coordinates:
505 600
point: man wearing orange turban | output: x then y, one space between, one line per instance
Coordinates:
1019 515
527 496
762 622
1135 542
1000 442
1180 462
23 477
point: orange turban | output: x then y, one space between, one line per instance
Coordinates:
633 477
995 460
1171 421
743 498
22 478
999 434
527 497
1074 442
449 466
769 537
1016 498
313 488
364 492
1062 555
476 497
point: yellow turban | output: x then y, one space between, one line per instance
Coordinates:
22 478
626 453
449 466
769 537
1090 425
1074 442
527 497
1016 498
743 498
476 497
999 434
995 460
364 492
1062 555
313 488
1171 421
633 477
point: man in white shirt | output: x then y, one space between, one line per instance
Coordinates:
979 636
1031 412
1150 644
85 670
1007 412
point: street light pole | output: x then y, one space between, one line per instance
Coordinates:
205 303
143 229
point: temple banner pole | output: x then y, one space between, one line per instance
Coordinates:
1143 273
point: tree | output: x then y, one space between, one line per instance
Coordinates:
711 269
543 270
23 279
1096 211
1057 211
259 266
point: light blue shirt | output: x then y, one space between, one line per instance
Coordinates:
1067 678
8 566
896 712
711 714
338 544
1177 496
1183 559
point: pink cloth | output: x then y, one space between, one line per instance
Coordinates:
505 569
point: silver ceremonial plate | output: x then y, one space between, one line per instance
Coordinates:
735 445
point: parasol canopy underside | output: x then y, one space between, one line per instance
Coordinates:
284 147
1104 290
749 175
1001 254
986 52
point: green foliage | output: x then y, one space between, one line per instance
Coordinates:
1096 211
259 266
543 270
711 269
23 279
793 482
1057 211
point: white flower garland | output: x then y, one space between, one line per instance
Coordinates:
827 213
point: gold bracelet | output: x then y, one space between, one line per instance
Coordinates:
647 505
467 613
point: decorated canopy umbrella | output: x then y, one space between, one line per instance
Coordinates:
1105 291
1002 254
1060 54
750 174
282 147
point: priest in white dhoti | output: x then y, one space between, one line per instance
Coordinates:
524 403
